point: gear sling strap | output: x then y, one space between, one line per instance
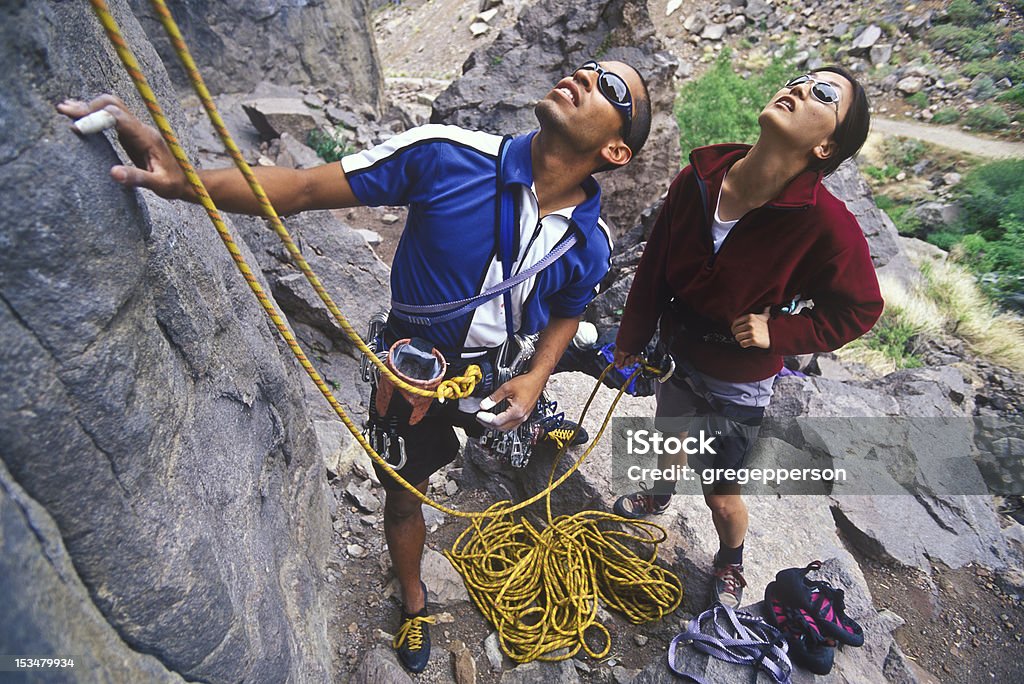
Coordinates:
433 314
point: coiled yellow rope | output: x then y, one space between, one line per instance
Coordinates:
546 583
540 588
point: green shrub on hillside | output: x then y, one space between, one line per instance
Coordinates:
970 11
989 236
918 99
988 117
990 193
1014 95
997 67
946 115
895 338
330 145
967 43
723 106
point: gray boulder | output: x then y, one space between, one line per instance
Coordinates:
237 44
866 38
47 608
380 666
883 239
273 117
357 282
936 215
147 410
546 44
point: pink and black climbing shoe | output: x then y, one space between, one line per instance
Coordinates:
821 600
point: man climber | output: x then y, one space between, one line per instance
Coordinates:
455 183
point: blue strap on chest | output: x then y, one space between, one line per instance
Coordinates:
434 314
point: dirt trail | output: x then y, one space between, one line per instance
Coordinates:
949 136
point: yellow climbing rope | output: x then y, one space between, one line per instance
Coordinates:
540 589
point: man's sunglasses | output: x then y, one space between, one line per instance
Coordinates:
822 91
614 89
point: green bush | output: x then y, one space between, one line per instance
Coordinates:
966 43
885 203
945 239
988 117
990 193
882 173
989 235
896 338
999 262
946 115
969 11
918 99
330 145
997 68
1014 95
723 106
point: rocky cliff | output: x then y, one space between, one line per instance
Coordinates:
162 497
238 44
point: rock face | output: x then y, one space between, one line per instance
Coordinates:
162 492
502 82
237 44
849 185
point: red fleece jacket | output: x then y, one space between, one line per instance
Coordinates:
803 243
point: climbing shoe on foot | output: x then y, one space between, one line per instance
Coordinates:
634 506
567 433
727 585
412 640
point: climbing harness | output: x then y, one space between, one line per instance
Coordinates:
432 314
566 567
515 445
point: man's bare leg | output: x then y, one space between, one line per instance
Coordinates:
406 534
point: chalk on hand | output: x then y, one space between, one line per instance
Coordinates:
95 122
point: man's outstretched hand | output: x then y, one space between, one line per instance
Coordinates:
155 167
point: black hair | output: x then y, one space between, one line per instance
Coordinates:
852 131
640 127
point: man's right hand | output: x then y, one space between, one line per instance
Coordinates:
155 167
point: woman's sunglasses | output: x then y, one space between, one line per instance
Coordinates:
822 91
614 89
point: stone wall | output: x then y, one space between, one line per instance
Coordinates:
238 44
163 501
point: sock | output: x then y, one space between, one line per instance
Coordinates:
727 556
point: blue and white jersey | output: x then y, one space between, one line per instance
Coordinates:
447 176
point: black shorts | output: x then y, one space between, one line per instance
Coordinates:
734 428
430 444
